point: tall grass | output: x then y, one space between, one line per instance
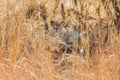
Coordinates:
26 51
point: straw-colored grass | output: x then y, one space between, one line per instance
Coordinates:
26 52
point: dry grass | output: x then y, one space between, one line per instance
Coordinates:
26 51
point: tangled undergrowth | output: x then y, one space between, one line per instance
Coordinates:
34 42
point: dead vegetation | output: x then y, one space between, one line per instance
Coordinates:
59 40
